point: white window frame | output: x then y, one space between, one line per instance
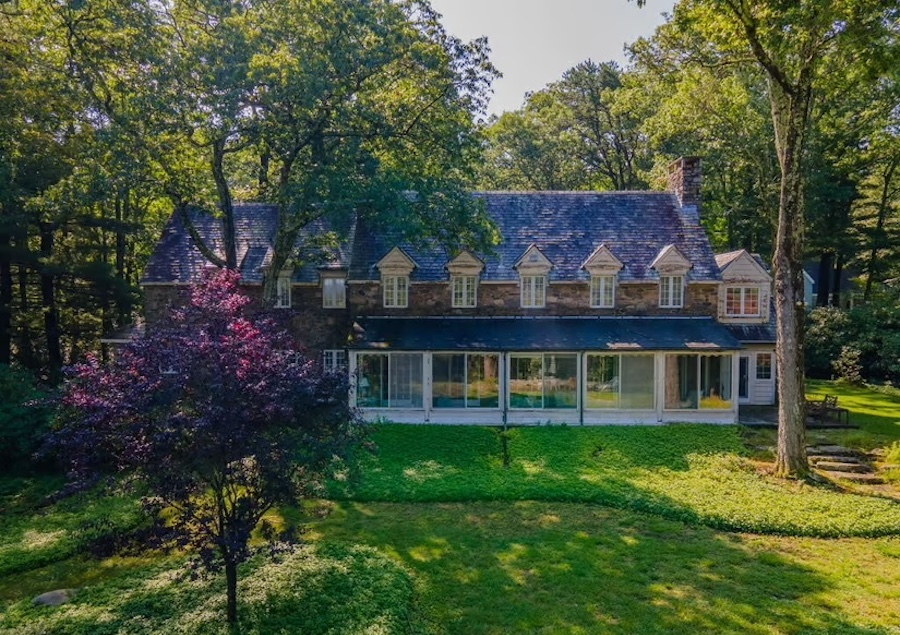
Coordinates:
464 292
744 292
671 292
283 291
529 287
334 359
396 292
334 298
603 292
771 366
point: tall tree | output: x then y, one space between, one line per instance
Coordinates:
791 42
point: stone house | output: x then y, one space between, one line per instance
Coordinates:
596 307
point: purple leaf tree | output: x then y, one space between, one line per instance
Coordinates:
216 415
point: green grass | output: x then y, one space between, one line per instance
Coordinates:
694 473
875 411
492 568
332 590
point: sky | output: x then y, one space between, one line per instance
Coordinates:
534 41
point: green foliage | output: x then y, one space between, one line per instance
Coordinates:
24 419
693 473
307 591
848 367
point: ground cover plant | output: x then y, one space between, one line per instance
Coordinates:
695 473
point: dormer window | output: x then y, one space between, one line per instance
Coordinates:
334 293
283 291
603 292
671 292
464 291
534 294
396 291
395 268
742 301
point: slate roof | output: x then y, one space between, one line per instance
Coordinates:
543 333
567 227
177 260
753 333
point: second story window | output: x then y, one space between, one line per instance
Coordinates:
742 301
671 292
534 292
463 288
396 291
603 295
283 292
334 293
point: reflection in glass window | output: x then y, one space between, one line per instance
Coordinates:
698 381
620 381
543 381
389 380
462 380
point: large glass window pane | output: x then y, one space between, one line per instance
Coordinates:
715 382
483 388
526 381
372 384
448 381
560 381
638 385
602 381
681 382
406 380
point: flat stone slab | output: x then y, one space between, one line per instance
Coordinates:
832 450
834 459
834 466
55 598
865 479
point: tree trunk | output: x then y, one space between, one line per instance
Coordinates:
837 286
790 114
878 235
123 215
823 284
48 303
6 296
226 205
231 590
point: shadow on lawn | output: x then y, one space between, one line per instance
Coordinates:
560 568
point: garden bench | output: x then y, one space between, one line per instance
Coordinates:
827 409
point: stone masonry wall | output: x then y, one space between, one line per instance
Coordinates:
433 299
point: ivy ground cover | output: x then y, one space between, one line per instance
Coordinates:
699 474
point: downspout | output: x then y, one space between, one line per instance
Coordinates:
504 386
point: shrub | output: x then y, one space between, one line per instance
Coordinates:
848 365
24 419
828 330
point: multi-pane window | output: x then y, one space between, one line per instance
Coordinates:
603 292
538 381
742 301
334 293
764 366
334 360
698 381
396 291
671 291
464 291
389 380
465 380
619 381
283 292
534 292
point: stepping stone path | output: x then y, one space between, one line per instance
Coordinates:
836 461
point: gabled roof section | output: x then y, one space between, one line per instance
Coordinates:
533 261
670 260
602 261
396 263
742 266
465 264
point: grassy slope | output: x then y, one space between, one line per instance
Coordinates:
693 473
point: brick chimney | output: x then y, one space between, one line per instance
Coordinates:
685 178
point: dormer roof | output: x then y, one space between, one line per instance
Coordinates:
670 260
465 264
742 266
602 261
396 263
533 262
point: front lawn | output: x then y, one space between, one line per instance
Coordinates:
695 473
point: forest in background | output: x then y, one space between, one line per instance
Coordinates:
118 114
